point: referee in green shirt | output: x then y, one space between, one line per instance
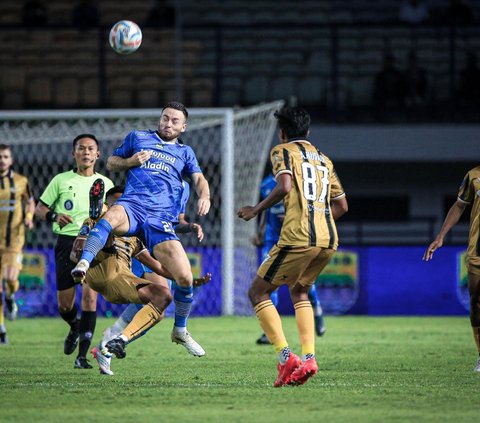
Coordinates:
65 203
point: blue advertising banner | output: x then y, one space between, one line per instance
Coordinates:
374 280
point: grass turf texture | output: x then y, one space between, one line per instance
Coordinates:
371 370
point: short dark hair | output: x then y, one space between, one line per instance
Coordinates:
79 137
115 190
295 121
177 106
5 147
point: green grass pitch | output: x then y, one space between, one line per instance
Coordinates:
371 370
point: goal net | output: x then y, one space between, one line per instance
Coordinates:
232 148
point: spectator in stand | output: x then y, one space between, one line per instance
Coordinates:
416 83
85 15
459 13
389 88
34 13
161 13
413 12
469 90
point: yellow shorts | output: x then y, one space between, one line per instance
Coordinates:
11 258
473 265
289 265
115 281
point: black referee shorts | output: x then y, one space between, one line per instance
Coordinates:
63 264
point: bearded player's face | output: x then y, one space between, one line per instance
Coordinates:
172 124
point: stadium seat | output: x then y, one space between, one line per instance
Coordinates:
66 92
39 90
311 90
256 89
89 92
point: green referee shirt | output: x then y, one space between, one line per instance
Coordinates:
68 193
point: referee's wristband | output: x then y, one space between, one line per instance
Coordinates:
51 216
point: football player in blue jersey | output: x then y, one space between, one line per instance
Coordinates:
156 162
267 236
141 271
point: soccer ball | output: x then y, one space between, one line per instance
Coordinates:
125 37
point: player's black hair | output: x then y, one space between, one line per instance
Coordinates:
5 147
79 137
177 106
295 121
115 190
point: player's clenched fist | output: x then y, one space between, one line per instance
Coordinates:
246 213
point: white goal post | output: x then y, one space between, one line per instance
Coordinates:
232 148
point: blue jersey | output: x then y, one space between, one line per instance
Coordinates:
157 183
274 215
184 199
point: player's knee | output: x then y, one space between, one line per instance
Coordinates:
184 280
254 295
64 307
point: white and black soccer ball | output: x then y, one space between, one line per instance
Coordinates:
125 37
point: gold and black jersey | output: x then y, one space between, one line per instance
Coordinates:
469 192
308 218
14 193
124 247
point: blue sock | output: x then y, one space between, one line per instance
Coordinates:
314 301
274 297
96 240
130 311
183 298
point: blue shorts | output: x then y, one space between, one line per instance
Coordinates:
138 269
152 228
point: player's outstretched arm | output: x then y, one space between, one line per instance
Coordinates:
283 187
202 280
117 163
77 248
203 192
450 221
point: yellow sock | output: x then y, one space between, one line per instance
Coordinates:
11 288
305 325
271 324
147 317
476 336
2 321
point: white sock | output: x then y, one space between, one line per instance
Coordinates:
179 329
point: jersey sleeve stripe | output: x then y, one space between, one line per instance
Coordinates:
283 171
286 159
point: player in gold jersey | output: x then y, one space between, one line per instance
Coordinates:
314 198
468 194
16 212
111 275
